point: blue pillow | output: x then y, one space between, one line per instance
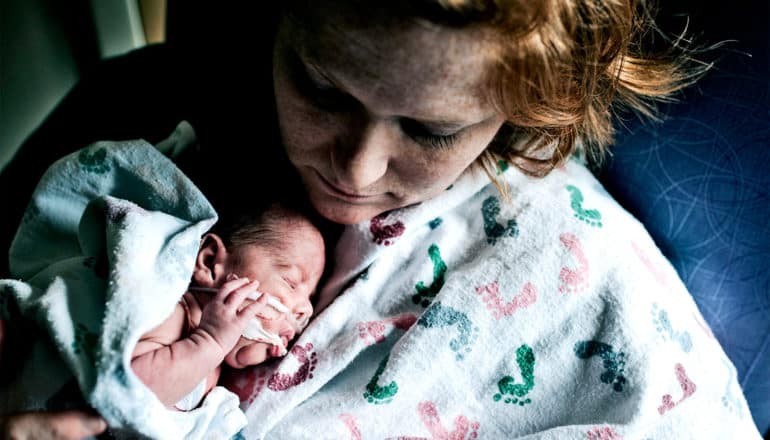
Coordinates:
700 182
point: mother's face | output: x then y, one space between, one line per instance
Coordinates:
379 116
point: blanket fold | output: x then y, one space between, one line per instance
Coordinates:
104 252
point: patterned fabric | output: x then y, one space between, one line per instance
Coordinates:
552 316
105 251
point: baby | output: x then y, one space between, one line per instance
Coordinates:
249 296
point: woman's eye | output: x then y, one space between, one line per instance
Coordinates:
424 136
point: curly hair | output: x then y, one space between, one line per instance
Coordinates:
561 68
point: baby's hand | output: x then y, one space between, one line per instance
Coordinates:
223 319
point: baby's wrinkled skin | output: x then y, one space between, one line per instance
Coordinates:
205 328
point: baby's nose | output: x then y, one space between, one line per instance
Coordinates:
298 304
302 311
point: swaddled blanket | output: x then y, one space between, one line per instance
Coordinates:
104 252
552 316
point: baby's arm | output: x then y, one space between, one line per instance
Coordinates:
172 367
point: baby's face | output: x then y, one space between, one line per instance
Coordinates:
288 272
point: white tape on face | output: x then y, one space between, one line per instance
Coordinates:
256 332
254 329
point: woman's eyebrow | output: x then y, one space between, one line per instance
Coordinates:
312 70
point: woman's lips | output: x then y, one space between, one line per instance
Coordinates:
340 193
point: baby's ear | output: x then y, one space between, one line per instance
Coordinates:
210 263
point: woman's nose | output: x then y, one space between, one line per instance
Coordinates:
362 159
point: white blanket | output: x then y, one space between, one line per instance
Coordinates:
553 316
105 250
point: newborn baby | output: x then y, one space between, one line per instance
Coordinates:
249 296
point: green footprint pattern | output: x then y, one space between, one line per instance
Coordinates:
94 162
490 209
435 223
85 342
425 294
515 393
592 217
502 166
614 362
380 395
438 316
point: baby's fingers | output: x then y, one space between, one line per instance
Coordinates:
229 286
254 308
237 296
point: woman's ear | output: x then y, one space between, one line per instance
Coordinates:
210 265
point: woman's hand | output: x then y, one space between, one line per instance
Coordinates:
224 318
62 425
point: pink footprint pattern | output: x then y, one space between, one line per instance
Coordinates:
464 429
373 332
307 361
350 423
490 294
688 388
249 384
603 433
655 269
385 233
573 280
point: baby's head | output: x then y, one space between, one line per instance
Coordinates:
284 251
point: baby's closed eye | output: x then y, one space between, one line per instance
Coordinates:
290 282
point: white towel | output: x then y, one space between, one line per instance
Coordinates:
105 251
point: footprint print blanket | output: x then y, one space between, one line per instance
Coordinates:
104 252
549 316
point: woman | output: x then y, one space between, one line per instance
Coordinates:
443 287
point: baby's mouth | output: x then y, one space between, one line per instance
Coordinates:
275 351
256 332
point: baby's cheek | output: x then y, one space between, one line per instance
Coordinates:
230 358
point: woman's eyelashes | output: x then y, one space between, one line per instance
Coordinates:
423 135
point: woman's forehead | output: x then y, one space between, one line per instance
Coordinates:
398 67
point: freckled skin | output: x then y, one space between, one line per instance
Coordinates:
361 146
